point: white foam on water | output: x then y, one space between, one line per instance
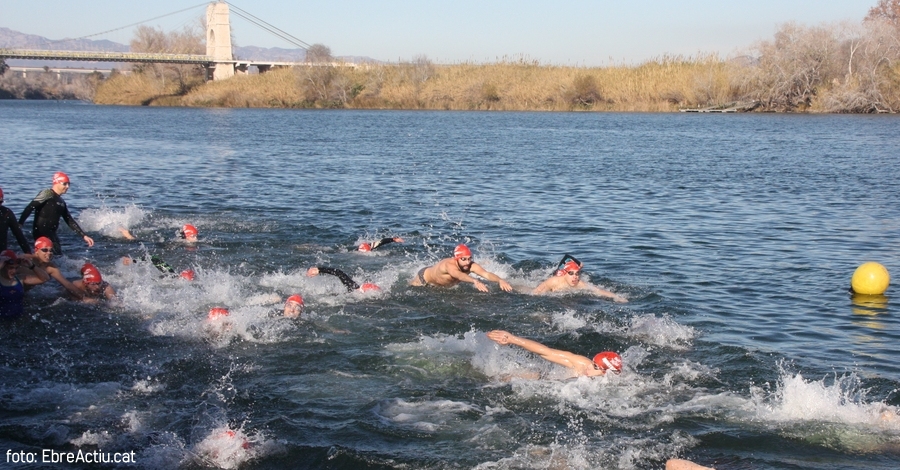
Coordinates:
425 415
227 448
108 221
661 331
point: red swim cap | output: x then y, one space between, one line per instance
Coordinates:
1 194
188 274
462 251
60 177
7 255
42 242
216 312
608 360
365 247
90 274
295 299
189 230
368 286
569 266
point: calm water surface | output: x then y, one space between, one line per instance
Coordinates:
733 236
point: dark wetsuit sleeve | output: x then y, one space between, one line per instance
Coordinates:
72 224
382 242
8 223
349 283
29 209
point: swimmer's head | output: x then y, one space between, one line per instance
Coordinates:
463 257
368 287
188 274
462 251
90 274
9 258
293 306
43 243
189 232
365 247
60 178
43 249
608 360
216 313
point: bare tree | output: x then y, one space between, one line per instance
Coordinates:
319 53
793 66
189 40
870 52
887 10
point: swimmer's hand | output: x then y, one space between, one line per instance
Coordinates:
499 336
505 286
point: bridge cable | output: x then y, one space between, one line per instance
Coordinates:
269 27
133 24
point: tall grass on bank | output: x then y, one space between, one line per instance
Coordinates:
660 85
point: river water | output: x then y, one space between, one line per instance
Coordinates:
734 238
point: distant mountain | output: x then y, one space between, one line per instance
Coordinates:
16 40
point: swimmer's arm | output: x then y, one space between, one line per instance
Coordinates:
385 241
556 356
455 273
543 287
34 204
109 293
477 269
602 292
33 275
345 279
17 231
67 284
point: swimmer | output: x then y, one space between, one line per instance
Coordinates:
92 286
367 247
568 278
293 306
48 207
680 464
12 287
161 266
189 233
345 279
8 224
580 365
449 272
217 321
41 261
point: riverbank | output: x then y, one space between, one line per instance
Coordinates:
660 86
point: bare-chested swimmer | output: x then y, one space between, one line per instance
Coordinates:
449 272
580 365
568 278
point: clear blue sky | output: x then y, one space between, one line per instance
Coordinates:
562 32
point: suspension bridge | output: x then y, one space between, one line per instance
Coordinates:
219 61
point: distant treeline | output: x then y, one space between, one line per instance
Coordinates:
838 68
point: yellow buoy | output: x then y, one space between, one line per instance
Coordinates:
870 278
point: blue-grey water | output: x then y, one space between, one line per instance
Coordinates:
734 237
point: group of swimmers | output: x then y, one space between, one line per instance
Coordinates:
18 273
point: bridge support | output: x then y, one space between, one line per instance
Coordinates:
218 41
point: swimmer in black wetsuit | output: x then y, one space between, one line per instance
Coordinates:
160 265
367 247
346 280
48 207
8 223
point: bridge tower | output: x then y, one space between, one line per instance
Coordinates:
218 40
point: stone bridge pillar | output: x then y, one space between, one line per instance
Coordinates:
218 40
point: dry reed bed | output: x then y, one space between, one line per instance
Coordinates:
662 85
